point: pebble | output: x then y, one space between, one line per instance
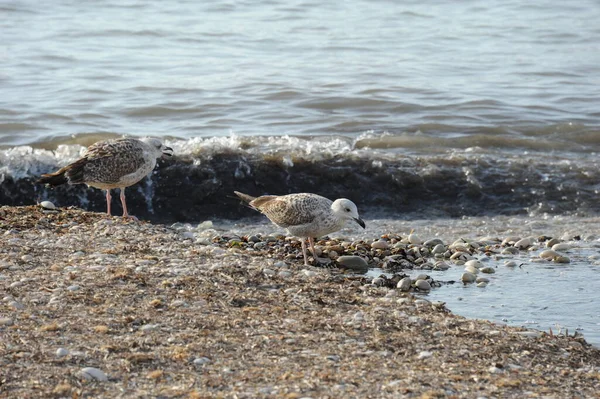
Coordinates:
561 259
92 373
16 305
61 352
441 265
5 321
146 328
468 277
482 280
415 239
472 269
438 249
285 274
509 251
563 246
47 205
26 258
510 263
73 288
434 242
380 244
309 273
488 270
269 272
16 284
510 239
423 285
404 284
353 262
482 284
201 361
552 242
424 355
549 254
523 243
280 264
475 263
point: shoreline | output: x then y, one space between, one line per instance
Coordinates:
158 313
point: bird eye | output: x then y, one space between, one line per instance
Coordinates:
347 209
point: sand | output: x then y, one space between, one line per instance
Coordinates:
161 315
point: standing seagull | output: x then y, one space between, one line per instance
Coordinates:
305 215
111 164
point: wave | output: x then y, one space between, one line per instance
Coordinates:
197 184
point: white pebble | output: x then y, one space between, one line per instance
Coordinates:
149 327
424 355
415 239
92 373
309 273
472 270
510 263
482 284
563 246
5 321
73 288
61 352
47 205
523 243
269 272
468 277
474 263
548 254
201 361
26 258
380 244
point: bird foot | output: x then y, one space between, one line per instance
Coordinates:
322 261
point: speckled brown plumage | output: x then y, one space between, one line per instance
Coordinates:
111 164
305 215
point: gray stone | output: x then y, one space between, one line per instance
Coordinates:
353 262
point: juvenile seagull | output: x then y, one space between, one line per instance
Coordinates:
111 164
305 215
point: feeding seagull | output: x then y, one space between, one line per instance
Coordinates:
111 164
305 215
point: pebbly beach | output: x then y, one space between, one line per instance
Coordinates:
98 306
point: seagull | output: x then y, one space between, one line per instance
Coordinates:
111 164
305 215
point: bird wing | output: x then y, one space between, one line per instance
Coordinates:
114 159
284 212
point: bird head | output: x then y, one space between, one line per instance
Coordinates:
345 209
158 147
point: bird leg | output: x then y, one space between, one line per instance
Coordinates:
108 199
304 251
314 252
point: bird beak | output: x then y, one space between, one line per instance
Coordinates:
360 222
168 151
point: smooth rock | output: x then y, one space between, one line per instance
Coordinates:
488 270
510 251
523 243
475 263
561 259
563 246
423 285
415 239
482 280
6 321
353 262
482 284
438 249
269 272
92 373
549 254
380 244
47 205
146 328
510 239
434 242
404 284
16 305
73 288
552 242
61 352
471 269
510 263
201 361
441 265
424 355
468 277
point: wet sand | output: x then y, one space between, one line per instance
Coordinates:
159 314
